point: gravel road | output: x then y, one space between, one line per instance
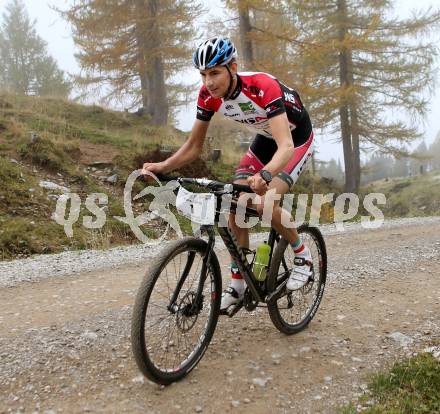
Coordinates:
72 262
65 320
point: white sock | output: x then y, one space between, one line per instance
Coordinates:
238 285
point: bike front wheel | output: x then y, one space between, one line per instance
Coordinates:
292 311
172 323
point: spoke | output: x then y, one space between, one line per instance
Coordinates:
180 266
159 293
167 347
166 276
175 270
157 345
150 325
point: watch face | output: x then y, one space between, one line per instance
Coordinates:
266 176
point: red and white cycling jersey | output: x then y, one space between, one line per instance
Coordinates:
257 98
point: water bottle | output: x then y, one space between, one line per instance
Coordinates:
261 261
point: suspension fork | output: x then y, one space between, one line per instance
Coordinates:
198 301
172 307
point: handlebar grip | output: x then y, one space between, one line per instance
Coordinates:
163 177
242 188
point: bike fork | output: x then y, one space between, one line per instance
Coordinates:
198 300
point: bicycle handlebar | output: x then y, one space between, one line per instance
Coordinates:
204 182
242 188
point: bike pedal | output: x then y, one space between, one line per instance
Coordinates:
232 310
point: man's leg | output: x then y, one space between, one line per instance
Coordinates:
281 188
301 272
237 285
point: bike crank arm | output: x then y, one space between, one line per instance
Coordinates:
232 310
280 291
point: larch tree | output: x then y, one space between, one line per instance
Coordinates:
134 47
331 169
26 67
366 74
377 167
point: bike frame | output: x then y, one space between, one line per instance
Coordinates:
242 262
257 289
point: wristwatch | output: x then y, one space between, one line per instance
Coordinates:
266 176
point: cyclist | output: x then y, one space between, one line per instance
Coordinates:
276 157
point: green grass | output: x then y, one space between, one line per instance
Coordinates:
55 118
19 191
411 386
26 226
22 236
54 157
221 171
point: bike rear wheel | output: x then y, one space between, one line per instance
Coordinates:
293 310
169 341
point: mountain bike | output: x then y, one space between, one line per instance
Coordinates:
178 303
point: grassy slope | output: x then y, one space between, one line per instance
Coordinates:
70 138
411 196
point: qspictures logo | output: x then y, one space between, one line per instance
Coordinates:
199 208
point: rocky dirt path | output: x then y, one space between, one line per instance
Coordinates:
65 346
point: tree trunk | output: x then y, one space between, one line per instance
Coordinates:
143 75
151 69
348 149
343 109
151 84
354 121
313 164
160 113
356 150
245 28
158 107
141 40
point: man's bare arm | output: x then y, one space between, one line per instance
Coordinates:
279 126
187 153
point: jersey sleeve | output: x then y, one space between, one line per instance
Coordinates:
205 110
272 96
